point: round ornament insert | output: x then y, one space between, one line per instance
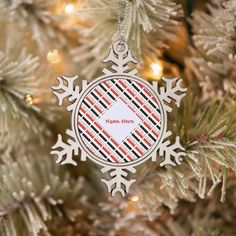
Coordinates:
119 120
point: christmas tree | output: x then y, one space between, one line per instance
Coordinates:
42 40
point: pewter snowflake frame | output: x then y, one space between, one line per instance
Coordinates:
120 56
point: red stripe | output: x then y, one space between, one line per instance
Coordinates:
85 130
111 89
106 101
127 89
96 90
139 101
106 83
80 124
153 115
129 157
156 118
98 126
113 158
122 83
140 135
85 113
130 92
135 146
150 128
90 117
147 108
102 97
91 102
147 92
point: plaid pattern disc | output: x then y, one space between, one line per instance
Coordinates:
132 133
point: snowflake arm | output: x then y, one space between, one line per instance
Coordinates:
173 153
172 90
65 151
120 59
118 183
66 89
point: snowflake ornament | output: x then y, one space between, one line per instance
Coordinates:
119 120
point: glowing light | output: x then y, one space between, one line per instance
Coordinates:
53 56
135 198
29 99
157 69
69 8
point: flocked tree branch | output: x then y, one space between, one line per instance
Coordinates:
33 192
214 54
150 24
39 17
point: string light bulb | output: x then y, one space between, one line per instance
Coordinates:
157 69
53 56
135 198
29 100
69 8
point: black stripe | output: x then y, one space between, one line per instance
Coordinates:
154 106
86 120
123 158
137 89
117 85
110 145
103 155
153 138
98 99
127 95
139 141
91 109
104 89
155 123
85 136
94 145
136 104
131 149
